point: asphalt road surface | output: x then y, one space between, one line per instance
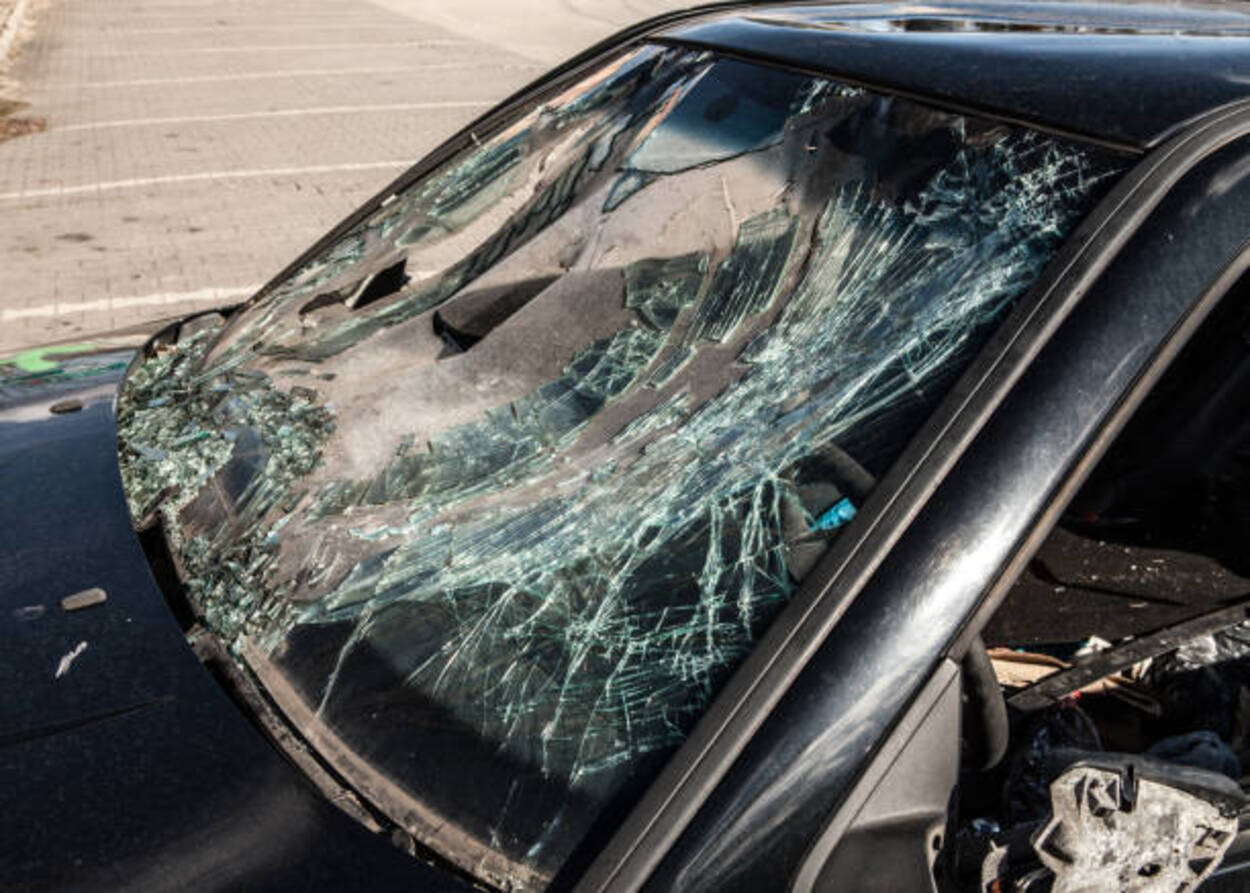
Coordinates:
191 148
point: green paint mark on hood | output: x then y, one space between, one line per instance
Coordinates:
36 360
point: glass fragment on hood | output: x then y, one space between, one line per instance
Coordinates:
494 492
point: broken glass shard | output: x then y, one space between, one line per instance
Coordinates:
739 108
746 282
660 289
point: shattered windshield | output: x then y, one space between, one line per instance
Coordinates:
493 493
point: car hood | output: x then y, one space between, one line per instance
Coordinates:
123 762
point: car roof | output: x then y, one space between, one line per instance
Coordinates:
1123 74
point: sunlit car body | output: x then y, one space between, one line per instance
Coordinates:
533 515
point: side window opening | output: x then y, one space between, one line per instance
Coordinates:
1124 648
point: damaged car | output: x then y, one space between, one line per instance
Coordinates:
785 448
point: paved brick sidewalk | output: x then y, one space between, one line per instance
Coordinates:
547 31
193 148
10 17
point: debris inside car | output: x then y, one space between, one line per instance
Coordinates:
1123 655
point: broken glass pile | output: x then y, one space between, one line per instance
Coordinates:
493 493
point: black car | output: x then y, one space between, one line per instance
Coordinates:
785 448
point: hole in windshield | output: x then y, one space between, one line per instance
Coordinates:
380 285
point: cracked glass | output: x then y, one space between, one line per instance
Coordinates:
493 493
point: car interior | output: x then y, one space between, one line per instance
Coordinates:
1122 654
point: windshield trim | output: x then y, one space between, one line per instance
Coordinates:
414 816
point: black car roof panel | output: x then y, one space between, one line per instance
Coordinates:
1127 74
